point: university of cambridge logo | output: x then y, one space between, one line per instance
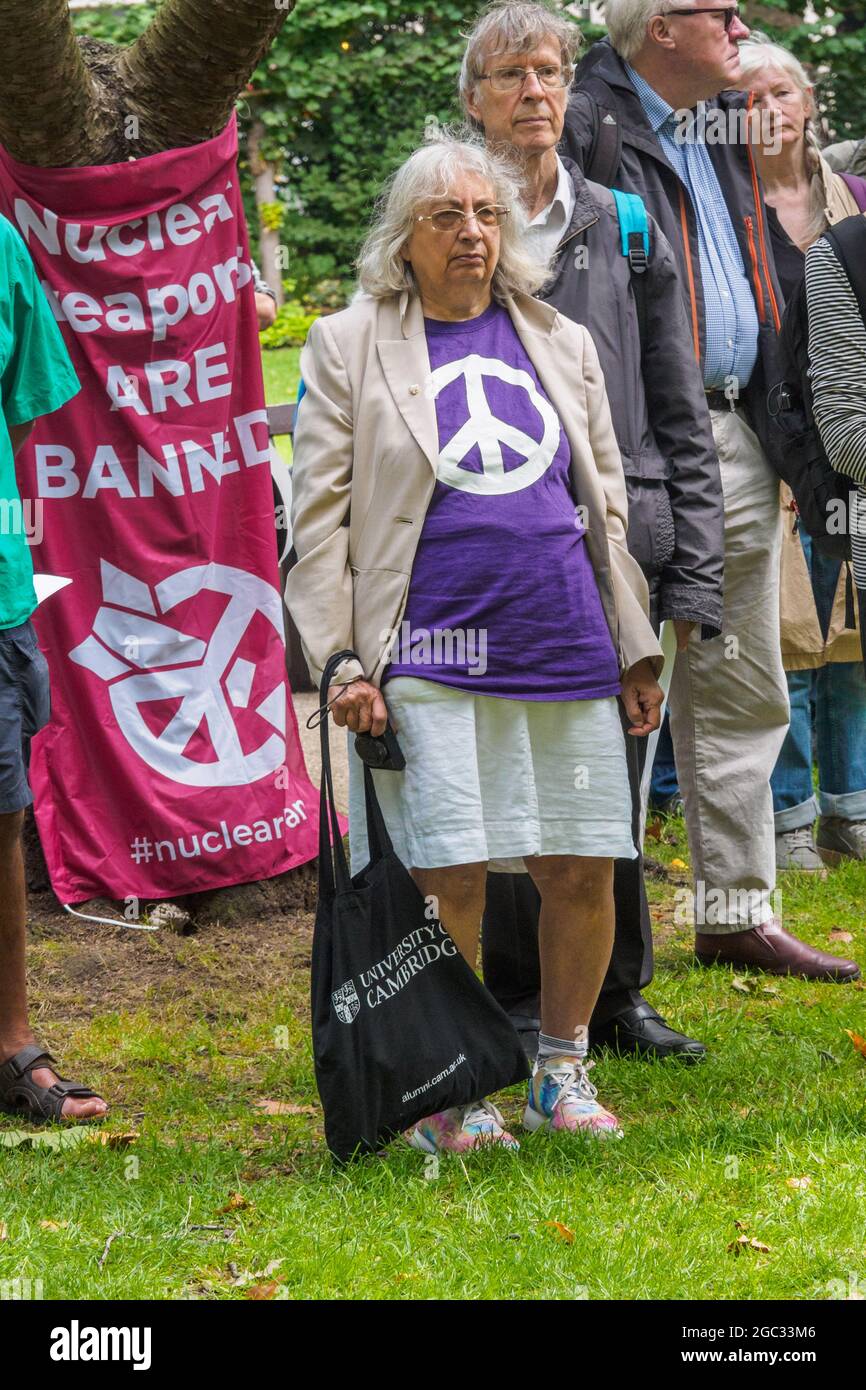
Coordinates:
346 1002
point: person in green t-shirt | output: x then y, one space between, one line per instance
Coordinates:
36 377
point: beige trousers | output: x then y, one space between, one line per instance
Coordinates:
729 701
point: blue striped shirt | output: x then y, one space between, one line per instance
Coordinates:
731 319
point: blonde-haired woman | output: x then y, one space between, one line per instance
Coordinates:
802 193
822 657
459 519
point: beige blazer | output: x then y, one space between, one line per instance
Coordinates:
365 453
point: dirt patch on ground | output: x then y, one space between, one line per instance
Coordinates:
77 967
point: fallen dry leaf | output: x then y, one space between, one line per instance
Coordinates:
562 1232
283 1107
115 1140
4 1231
236 1202
263 1291
770 989
679 864
52 1139
798 1182
748 1243
53 1225
859 1043
743 986
838 935
654 830
240 1278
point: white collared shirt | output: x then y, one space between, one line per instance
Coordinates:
547 229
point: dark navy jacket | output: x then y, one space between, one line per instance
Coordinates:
602 87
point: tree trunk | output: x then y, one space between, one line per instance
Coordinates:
68 101
266 197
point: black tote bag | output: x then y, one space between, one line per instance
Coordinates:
402 1027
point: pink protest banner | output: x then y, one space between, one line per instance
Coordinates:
172 762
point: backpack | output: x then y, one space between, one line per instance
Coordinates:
635 244
601 166
821 495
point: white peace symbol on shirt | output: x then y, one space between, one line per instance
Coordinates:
489 433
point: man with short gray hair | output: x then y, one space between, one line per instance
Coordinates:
513 83
632 123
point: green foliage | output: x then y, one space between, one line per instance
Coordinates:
345 95
119 24
271 216
290 327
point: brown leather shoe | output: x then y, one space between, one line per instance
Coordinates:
770 948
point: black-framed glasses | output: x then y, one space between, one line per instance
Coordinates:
452 219
550 75
728 12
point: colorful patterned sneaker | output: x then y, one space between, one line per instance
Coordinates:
561 1096
460 1129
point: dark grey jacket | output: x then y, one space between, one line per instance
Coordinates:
675 525
602 89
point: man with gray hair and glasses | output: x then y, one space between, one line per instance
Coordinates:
517 67
631 124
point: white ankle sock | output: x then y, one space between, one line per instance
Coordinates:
559 1047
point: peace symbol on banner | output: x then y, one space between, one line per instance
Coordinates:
483 429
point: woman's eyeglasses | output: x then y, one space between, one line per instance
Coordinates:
452 219
728 12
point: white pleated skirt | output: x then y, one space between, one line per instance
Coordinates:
495 780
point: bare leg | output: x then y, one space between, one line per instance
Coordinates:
459 890
15 1031
575 935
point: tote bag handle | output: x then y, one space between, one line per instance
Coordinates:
333 868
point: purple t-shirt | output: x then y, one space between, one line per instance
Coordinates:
503 598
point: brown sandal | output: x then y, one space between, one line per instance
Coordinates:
20 1095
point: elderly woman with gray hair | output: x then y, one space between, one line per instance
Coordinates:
459 518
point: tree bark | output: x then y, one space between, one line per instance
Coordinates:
67 101
47 96
266 196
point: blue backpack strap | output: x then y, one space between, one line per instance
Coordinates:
635 240
633 228
302 388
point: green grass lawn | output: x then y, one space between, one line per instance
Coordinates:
184 1035
282 372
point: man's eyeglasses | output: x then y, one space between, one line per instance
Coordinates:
728 12
452 219
551 76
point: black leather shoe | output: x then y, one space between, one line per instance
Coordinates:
644 1033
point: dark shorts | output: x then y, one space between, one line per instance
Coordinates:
25 707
